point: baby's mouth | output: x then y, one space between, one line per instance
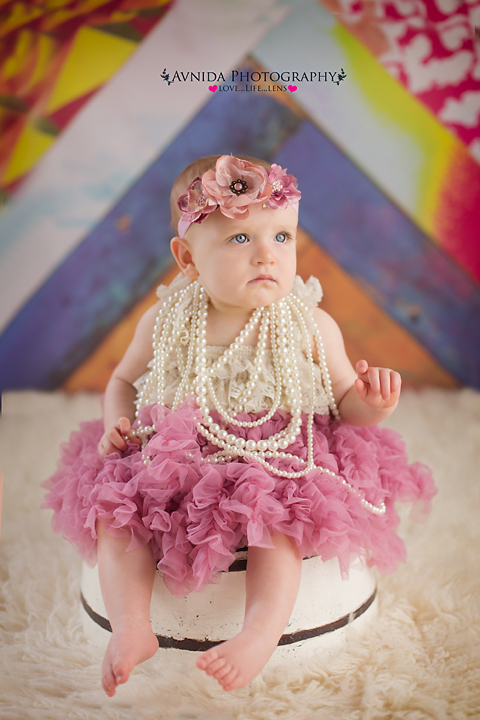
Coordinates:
262 278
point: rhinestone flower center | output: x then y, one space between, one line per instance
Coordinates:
238 187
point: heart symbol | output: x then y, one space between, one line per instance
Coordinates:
212 88
292 88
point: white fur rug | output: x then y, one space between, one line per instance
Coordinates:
421 659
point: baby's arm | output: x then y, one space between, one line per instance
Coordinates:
119 407
364 395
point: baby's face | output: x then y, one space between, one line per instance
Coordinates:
245 263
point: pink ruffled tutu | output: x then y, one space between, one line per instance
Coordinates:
196 514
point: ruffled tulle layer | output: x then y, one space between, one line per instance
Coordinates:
196 514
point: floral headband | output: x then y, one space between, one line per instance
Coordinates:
233 186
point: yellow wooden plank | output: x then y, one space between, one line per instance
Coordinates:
92 60
29 148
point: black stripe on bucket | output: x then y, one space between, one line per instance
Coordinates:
201 645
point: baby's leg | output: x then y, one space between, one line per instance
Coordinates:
272 581
126 580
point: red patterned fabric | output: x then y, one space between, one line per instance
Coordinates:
432 47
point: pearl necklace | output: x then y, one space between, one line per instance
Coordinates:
175 327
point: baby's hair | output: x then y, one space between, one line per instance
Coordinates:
197 169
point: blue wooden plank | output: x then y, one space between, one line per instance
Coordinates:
405 273
114 268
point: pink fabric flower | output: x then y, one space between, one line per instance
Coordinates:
284 188
195 203
236 184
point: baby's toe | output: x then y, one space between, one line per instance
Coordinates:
108 682
216 666
207 658
223 672
121 667
228 681
120 676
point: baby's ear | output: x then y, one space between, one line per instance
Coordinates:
183 256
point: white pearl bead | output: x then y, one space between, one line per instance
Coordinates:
250 445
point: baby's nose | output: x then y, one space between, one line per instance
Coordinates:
264 253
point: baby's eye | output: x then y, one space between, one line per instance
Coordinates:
281 237
239 239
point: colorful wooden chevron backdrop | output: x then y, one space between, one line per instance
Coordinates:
388 161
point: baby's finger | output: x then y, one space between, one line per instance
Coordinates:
116 439
124 426
105 447
396 381
361 388
374 380
385 383
361 368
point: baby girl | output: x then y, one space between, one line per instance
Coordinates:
234 418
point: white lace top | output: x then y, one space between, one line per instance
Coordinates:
232 377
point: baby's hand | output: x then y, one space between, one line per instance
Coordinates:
377 387
113 440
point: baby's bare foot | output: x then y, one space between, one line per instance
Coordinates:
238 661
131 643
